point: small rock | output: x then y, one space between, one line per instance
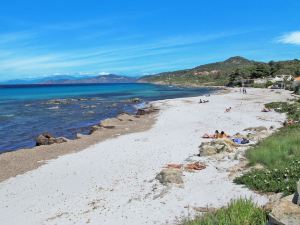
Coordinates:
256 129
48 139
145 111
170 176
135 100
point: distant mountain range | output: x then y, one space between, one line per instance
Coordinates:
66 79
212 74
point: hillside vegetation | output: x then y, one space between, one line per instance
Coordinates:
225 73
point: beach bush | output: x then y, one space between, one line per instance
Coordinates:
241 211
277 150
278 180
279 154
292 109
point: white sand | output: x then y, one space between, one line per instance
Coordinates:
113 182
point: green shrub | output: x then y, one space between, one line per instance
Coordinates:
292 109
283 179
238 212
279 154
276 150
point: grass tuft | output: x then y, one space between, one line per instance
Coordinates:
238 212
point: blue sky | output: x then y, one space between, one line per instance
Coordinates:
39 38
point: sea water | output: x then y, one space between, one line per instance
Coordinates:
65 110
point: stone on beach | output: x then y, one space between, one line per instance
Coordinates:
170 176
110 123
256 129
145 111
125 117
296 199
48 139
285 212
215 147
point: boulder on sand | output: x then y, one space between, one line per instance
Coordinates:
125 117
48 139
170 176
215 147
110 123
296 199
285 212
145 111
257 129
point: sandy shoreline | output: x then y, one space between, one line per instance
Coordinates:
112 182
21 161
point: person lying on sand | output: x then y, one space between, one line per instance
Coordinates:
223 135
228 109
289 122
204 101
215 135
266 110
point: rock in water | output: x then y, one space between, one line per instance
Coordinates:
48 139
170 176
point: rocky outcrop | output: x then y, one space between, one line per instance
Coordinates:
126 117
48 139
145 111
285 212
296 198
170 176
216 146
109 123
256 129
135 100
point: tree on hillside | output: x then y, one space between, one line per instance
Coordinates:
260 71
235 78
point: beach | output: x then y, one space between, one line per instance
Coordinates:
111 180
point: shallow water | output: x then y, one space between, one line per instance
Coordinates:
64 110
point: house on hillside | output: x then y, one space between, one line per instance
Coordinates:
260 81
281 78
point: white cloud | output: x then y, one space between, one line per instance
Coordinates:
291 38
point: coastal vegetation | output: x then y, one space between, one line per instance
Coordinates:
228 72
279 154
241 211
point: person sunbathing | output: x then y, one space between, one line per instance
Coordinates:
266 110
204 101
228 109
215 135
223 135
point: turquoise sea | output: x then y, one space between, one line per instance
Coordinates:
64 110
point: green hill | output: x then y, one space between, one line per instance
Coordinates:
224 73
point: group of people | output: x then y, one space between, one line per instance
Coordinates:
234 139
216 135
243 90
